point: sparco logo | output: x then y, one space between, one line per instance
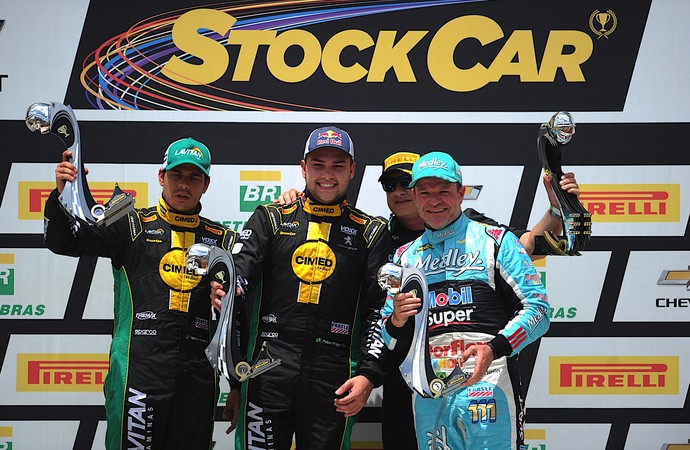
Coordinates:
259 431
139 420
451 260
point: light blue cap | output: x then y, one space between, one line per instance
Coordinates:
436 165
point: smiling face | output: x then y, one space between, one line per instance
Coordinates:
327 172
183 187
439 202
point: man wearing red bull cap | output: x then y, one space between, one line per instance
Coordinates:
405 225
309 269
160 391
495 306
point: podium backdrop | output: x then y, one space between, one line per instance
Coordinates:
472 78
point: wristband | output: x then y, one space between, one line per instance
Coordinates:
555 211
493 349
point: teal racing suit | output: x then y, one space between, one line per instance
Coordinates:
483 289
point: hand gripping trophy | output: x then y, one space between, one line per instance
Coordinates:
416 368
552 139
223 352
76 198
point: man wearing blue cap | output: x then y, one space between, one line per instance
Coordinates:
310 270
160 391
486 303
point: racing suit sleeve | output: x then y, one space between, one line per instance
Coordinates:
255 240
526 300
64 236
373 362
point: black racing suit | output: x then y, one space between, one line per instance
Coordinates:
397 421
160 391
312 269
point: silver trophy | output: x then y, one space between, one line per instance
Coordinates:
416 368
223 352
76 198
553 137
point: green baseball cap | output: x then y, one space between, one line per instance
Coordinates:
187 151
436 165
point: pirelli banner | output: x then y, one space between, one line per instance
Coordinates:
472 78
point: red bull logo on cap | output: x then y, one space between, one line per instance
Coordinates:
329 137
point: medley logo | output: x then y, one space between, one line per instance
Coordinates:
61 372
614 375
32 195
223 58
258 187
632 202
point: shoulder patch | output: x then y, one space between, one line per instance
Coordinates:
495 233
135 218
275 213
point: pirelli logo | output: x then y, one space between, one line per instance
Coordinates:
61 372
628 375
632 202
32 195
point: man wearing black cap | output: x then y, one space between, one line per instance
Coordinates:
310 270
160 390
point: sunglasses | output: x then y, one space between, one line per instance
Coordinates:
390 184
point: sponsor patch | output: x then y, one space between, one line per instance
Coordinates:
340 328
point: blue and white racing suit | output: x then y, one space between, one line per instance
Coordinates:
483 289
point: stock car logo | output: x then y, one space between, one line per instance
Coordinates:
614 375
32 195
632 202
258 187
221 58
61 372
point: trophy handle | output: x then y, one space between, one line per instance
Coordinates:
223 352
416 368
76 199
553 137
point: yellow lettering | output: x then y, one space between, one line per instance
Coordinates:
388 54
515 58
214 57
330 61
442 48
569 63
249 42
310 61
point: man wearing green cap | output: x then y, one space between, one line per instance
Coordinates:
486 303
160 390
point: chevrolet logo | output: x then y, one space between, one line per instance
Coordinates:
681 277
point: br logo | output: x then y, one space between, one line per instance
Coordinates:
252 196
